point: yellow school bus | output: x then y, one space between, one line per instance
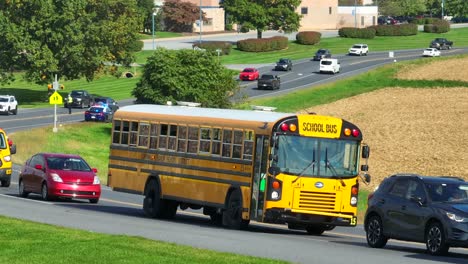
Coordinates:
7 148
302 170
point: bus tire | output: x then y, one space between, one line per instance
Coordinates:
232 215
216 219
169 208
152 201
315 230
5 183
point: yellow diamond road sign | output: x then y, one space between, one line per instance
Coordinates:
55 98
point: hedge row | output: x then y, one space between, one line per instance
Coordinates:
350 32
264 44
437 26
308 37
396 30
212 46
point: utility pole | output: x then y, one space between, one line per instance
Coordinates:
152 24
201 23
355 14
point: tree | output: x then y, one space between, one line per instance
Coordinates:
145 14
179 16
264 14
185 75
402 7
72 39
456 8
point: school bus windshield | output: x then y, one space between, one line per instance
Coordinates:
317 157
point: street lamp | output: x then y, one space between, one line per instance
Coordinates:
442 5
355 15
152 24
201 23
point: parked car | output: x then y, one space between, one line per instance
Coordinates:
431 52
322 54
330 66
430 210
249 74
283 65
8 104
54 175
269 81
98 113
359 49
81 99
106 102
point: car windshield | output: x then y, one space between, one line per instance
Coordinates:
305 156
248 70
3 99
283 61
66 163
357 46
326 62
448 192
321 51
76 93
267 77
100 100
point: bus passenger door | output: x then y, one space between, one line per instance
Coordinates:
259 177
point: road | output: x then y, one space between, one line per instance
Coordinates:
120 213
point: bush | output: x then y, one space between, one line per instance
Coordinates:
212 46
437 26
350 32
228 27
308 37
264 44
396 30
136 45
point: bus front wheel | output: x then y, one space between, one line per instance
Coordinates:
152 201
315 230
232 216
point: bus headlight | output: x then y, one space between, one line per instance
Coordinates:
274 195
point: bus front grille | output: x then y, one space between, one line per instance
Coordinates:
317 201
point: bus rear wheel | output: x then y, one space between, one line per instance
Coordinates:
232 216
152 200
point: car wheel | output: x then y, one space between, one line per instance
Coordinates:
374 232
21 190
15 111
232 216
315 230
8 111
5 183
45 192
360 54
436 242
94 201
365 54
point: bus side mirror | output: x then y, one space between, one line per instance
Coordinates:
365 167
13 149
365 152
366 178
273 158
274 170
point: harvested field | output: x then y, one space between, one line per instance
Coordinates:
421 131
453 70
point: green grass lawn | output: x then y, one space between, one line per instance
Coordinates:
159 35
29 242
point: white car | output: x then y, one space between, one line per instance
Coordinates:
8 104
330 65
359 49
431 52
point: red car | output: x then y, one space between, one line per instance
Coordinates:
56 175
249 74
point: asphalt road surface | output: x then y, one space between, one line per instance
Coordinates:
120 213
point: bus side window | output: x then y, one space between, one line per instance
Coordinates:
237 146
116 132
163 134
143 135
154 136
172 140
193 140
216 142
125 131
182 139
227 143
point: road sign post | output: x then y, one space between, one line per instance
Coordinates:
55 99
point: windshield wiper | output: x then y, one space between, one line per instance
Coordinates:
332 169
311 164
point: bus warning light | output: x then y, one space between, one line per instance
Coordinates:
292 127
284 127
355 133
275 185
347 132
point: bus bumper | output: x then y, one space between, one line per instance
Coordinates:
282 216
5 174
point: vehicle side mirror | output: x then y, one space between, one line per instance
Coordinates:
13 149
274 171
365 152
366 178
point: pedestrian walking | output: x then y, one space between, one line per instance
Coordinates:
69 103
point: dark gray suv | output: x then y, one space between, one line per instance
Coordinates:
431 210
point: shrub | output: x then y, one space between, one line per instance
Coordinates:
264 44
308 37
396 30
212 46
437 26
136 45
349 32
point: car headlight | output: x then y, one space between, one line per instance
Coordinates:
457 218
78 99
56 177
96 180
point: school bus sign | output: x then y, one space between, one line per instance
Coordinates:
55 98
319 126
